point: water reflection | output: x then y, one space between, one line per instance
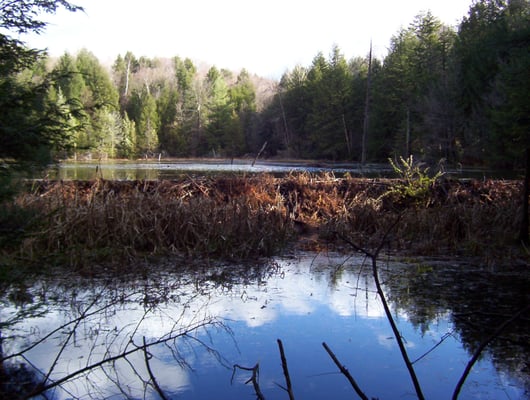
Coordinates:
197 324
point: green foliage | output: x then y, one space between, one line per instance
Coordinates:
32 126
413 94
127 145
440 92
493 58
415 182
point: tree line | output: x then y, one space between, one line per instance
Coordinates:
453 93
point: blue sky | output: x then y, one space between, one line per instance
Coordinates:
265 37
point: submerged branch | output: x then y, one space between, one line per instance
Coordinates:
254 378
289 388
345 372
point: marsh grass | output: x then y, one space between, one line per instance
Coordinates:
79 223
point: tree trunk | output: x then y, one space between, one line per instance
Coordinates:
524 235
284 119
367 106
126 92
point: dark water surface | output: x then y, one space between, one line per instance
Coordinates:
198 324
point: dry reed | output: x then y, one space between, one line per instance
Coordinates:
235 217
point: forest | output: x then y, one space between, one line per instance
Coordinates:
456 94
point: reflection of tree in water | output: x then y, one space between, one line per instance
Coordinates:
114 354
478 299
17 380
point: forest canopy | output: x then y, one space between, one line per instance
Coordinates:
458 94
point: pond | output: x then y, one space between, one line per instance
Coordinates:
176 168
179 332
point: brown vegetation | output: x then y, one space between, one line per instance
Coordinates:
237 217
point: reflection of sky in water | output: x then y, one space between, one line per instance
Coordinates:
303 306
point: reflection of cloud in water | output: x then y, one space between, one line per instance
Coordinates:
300 292
304 287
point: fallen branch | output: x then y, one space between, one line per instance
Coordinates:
345 372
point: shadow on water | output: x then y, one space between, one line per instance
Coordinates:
178 334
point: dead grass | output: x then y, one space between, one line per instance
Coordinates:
233 217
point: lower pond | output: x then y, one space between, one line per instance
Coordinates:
197 333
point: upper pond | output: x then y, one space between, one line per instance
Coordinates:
180 331
171 169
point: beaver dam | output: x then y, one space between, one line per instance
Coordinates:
244 217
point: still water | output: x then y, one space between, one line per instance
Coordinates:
170 169
184 330
176 168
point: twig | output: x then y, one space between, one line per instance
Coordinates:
289 388
345 372
254 378
481 347
157 387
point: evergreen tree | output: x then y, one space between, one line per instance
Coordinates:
243 101
220 112
145 116
294 105
330 86
127 145
31 126
412 95
100 101
190 115
102 92
493 57
69 90
171 139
